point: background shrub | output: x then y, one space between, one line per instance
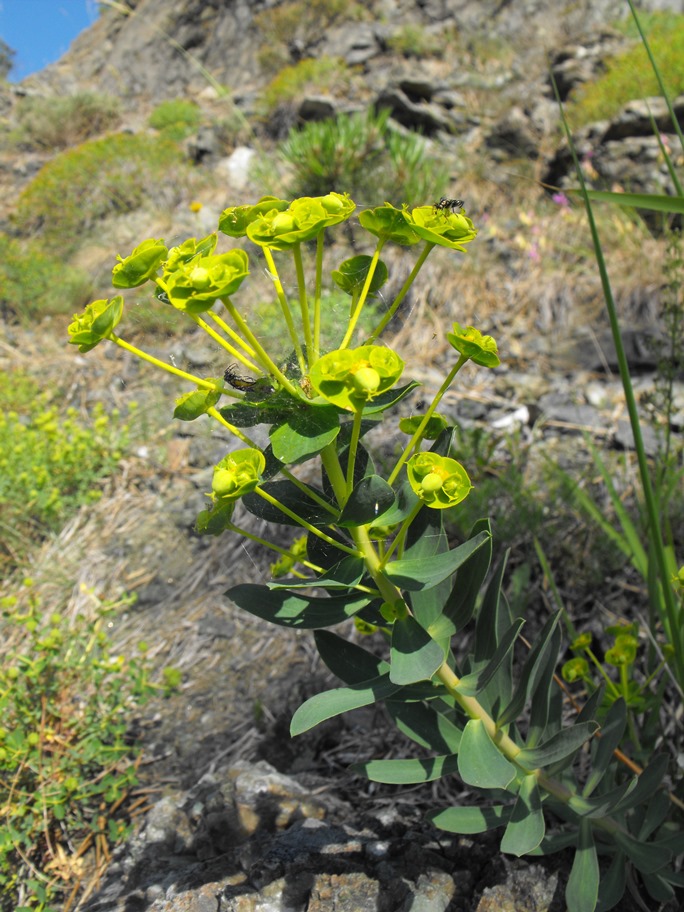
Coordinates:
630 75
96 179
33 283
175 119
362 155
50 464
55 123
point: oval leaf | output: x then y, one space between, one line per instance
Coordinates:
480 763
526 827
467 820
304 434
335 702
371 497
279 606
408 772
414 655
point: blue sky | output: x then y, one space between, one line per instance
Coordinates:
40 31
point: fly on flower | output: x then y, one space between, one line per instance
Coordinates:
446 203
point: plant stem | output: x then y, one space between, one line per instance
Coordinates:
303 300
402 294
266 361
415 440
315 354
198 381
364 294
303 523
285 308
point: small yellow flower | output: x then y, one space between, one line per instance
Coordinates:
195 206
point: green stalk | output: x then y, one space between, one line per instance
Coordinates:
303 523
671 620
402 294
315 354
364 294
353 448
267 362
216 414
415 440
285 308
203 384
401 535
303 300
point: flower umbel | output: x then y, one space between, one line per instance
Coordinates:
473 345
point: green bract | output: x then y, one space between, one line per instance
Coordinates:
478 348
349 378
352 275
389 224
188 250
303 220
446 229
95 323
140 265
194 286
434 427
237 474
234 220
439 481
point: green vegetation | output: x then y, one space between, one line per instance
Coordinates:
415 41
81 186
363 155
48 124
298 22
320 74
34 283
629 75
51 463
175 119
66 762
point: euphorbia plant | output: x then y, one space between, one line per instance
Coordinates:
376 544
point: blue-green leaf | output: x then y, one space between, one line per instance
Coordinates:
386 400
471 575
408 772
612 886
425 724
480 763
349 662
647 857
343 575
304 433
335 702
581 891
611 735
526 828
294 499
427 572
279 606
371 497
647 783
563 744
535 665
470 685
414 655
467 820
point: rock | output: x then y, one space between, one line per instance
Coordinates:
316 107
514 135
420 116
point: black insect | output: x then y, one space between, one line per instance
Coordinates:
231 376
445 204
